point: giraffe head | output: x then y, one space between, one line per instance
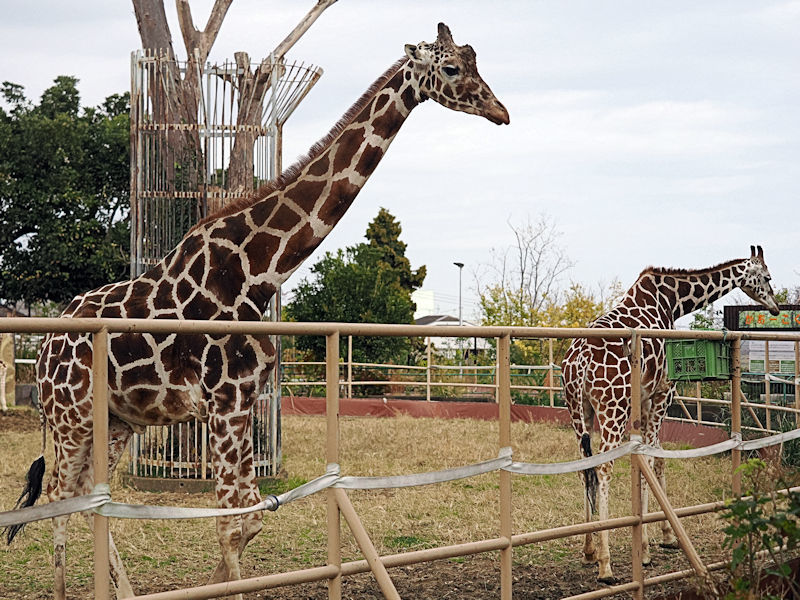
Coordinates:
448 74
756 278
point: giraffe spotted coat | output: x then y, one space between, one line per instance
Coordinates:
228 267
596 372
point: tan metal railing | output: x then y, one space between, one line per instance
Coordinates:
337 500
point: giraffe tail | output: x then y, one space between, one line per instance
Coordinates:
29 496
589 475
33 483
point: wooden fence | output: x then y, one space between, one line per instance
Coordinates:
338 503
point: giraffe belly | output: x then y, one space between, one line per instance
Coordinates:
145 406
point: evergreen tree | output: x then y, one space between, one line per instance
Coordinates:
383 234
366 283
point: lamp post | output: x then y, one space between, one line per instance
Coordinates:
460 266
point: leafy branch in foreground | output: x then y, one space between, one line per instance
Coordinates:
766 523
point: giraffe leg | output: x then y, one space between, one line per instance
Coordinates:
668 539
3 372
119 432
249 495
227 443
661 401
589 550
60 557
646 558
604 572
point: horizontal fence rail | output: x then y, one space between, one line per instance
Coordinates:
334 484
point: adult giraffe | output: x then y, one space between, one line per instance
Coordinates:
597 373
227 267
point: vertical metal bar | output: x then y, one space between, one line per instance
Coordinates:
736 411
767 396
100 457
699 393
677 526
636 466
428 372
349 366
365 544
504 401
332 456
797 383
550 372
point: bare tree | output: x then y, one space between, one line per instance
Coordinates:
523 276
183 97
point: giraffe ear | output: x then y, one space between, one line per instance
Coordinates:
418 54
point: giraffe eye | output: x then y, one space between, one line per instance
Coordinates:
450 70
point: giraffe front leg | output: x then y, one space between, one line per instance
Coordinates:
60 557
227 447
646 559
249 495
668 539
604 572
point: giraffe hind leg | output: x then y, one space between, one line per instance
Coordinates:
589 479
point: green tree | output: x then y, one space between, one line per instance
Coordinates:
64 187
383 234
359 285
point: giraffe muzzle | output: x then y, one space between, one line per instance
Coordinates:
497 114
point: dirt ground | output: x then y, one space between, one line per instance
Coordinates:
470 578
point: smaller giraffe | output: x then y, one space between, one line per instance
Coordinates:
597 374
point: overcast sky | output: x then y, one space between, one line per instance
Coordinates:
652 133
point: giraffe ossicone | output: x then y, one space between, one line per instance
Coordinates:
227 267
596 374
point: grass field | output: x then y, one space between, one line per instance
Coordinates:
163 555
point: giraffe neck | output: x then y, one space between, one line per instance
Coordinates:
680 292
249 249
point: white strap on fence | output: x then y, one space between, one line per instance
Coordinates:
523 468
100 498
397 481
53 509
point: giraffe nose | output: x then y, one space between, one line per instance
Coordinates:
497 113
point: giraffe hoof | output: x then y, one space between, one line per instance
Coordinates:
589 560
671 545
609 580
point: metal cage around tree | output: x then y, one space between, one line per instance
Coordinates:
189 157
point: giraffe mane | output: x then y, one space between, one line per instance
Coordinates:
291 174
680 272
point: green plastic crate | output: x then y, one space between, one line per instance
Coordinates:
698 360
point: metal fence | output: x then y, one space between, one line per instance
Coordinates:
339 506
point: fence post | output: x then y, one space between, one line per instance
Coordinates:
332 456
504 400
550 371
736 411
100 457
636 471
428 372
350 366
699 390
767 396
797 383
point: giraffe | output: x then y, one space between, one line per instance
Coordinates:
597 374
227 267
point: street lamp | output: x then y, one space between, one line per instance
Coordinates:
460 266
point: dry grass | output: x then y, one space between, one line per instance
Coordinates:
168 554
